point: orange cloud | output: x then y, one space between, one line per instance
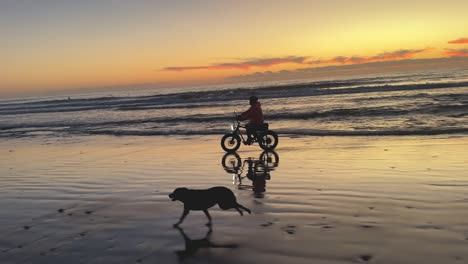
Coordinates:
459 41
245 65
386 56
456 52
267 62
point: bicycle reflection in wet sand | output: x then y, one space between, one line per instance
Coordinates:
257 170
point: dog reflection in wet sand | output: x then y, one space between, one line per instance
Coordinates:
201 200
193 245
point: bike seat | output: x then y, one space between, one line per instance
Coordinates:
264 126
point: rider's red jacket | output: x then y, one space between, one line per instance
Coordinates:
254 114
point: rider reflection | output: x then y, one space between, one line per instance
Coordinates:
257 170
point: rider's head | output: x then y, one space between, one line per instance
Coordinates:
253 99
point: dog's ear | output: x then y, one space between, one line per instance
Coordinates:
181 192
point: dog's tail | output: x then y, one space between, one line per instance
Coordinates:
243 207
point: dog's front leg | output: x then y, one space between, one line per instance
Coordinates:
207 215
182 217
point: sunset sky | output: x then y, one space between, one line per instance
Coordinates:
61 45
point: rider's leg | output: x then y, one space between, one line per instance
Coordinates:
255 128
249 129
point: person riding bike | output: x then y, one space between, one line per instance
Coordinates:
255 116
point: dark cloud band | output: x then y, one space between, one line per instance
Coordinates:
246 64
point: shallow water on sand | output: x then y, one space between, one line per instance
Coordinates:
320 199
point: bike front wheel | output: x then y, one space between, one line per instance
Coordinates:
230 142
231 162
268 140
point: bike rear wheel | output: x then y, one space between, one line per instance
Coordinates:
268 140
230 142
269 158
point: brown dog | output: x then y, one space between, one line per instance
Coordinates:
204 199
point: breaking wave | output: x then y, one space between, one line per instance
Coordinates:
380 106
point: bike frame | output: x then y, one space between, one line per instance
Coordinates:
266 138
236 130
237 177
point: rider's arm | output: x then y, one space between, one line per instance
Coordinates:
246 115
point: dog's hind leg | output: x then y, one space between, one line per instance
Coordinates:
207 215
241 206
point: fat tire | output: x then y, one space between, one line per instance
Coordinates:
269 162
231 167
264 145
235 138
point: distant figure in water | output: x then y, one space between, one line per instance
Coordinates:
255 116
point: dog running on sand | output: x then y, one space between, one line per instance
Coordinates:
204 199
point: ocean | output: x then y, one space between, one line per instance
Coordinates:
413 103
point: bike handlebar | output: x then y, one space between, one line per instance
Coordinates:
237 116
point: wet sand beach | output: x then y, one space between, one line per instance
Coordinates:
104 199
